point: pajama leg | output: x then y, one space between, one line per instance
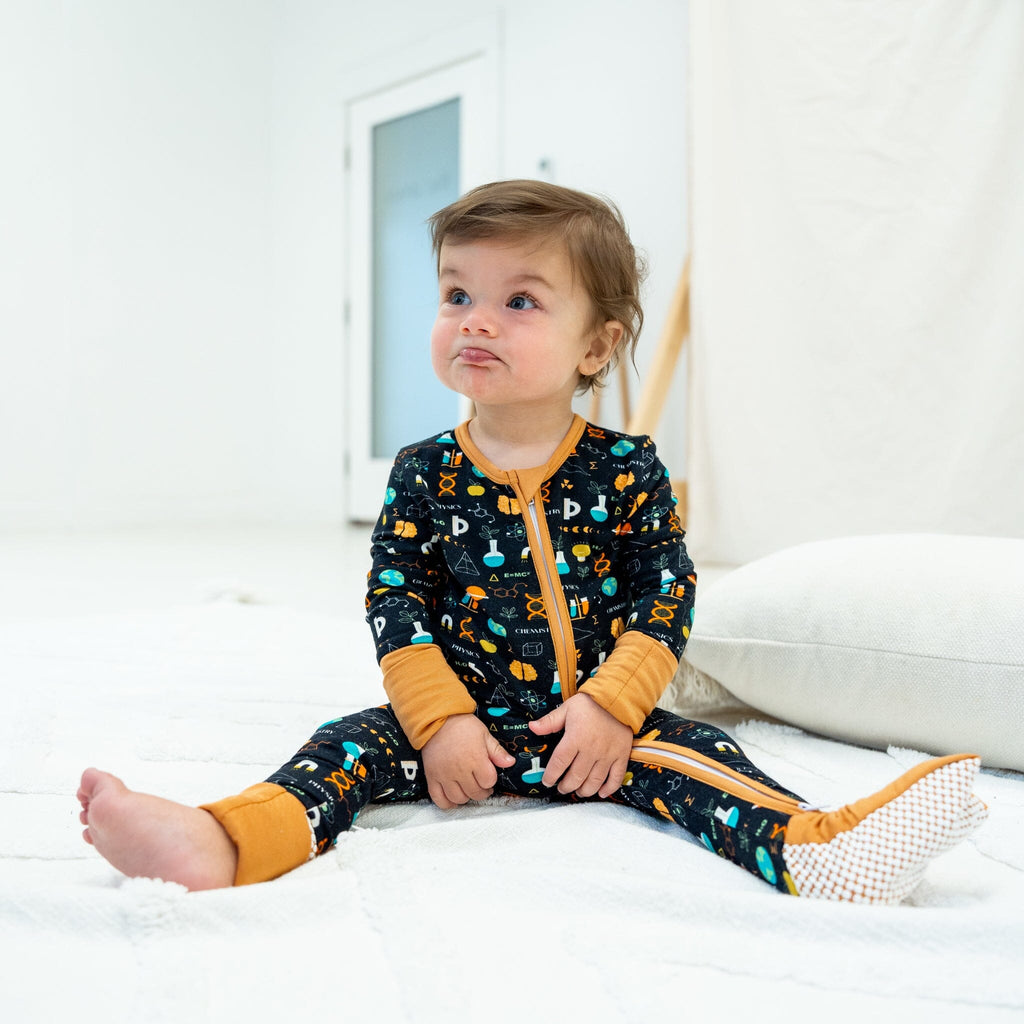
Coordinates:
348 763
696 775
303 807
872 851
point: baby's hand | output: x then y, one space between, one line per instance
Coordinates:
593 755
460 760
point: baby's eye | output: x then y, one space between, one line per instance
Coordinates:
521 302
457 297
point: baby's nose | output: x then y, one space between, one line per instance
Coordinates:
477 322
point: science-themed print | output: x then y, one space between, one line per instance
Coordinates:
525 580
733 808
365 757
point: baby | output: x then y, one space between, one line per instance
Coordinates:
530 595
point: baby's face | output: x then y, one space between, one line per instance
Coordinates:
514 326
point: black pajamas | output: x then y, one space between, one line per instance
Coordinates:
366 758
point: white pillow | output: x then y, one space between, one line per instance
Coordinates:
912 640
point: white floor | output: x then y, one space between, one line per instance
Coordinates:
248 682
314 568
306 568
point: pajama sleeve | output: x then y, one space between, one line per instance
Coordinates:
401 608
663 583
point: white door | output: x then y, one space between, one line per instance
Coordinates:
413 149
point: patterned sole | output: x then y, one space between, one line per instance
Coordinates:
878 854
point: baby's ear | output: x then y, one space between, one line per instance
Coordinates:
602 347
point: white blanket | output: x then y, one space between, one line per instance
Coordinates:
501 911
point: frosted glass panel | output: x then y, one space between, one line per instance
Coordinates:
415 172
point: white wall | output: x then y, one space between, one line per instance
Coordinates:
172 226
134 259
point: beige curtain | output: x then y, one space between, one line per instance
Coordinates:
857 356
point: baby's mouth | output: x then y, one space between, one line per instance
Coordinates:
477 356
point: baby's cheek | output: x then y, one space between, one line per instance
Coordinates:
438 349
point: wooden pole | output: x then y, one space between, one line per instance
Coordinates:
666 355
594 412
659 378
624 392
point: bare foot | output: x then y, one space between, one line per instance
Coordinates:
146 836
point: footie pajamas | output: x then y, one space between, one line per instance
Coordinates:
683 771
503 594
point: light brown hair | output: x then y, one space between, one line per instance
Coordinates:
592 230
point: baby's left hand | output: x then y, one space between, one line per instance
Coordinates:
593 755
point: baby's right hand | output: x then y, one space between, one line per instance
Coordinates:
460 760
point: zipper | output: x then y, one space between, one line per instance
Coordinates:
703 769
565 657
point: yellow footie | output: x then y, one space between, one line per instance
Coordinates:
270 829
876 850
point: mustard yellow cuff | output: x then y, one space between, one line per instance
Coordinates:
423 691
632 678
269 827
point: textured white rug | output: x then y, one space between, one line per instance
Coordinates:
502 911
